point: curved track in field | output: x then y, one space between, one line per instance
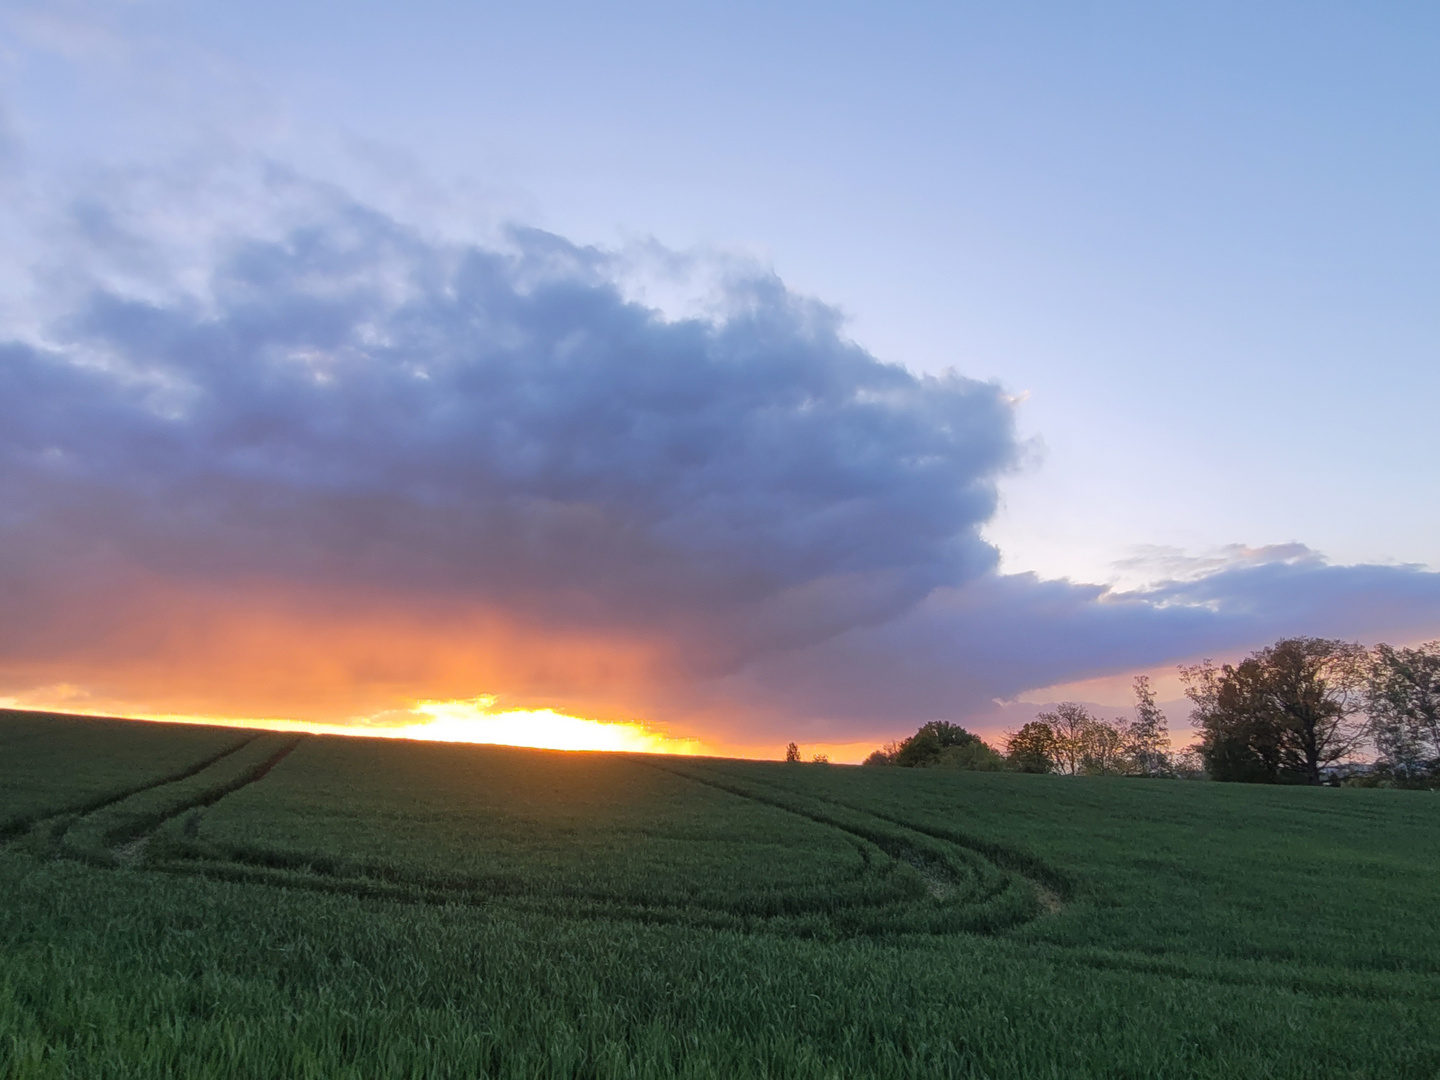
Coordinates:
919 880
114 827
1049 887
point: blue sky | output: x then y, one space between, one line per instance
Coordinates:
1204 243
1202 247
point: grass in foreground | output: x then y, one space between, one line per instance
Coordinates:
388 909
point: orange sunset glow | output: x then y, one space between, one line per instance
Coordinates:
473 720
369 664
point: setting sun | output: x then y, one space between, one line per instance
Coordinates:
472 720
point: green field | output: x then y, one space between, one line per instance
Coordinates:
203 902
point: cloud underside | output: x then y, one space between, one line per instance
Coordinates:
356 467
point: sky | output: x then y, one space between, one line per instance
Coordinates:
752 371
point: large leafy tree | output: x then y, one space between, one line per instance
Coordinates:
1283 713
1239 737
1402 696
1317 688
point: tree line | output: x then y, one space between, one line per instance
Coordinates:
1294 712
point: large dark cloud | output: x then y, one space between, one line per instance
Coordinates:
349 406
349 438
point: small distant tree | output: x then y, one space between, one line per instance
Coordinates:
918 750
1147 737
939 744
926 746
1103 748
792 752
977 756
885 755
821 759
1033 749
1402 697
1070 723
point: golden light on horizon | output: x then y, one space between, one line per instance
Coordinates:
466 720
301 660
545 729
472 720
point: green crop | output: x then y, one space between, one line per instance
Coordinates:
261 907
52 767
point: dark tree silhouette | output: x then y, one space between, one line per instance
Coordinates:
1283 713
939 745
1034 748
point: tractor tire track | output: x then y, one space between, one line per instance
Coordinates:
978 896
829 915
19 825
1050 888
128 843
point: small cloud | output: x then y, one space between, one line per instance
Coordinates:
1150 564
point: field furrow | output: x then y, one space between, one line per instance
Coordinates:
119 831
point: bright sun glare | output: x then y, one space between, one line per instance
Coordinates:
472 720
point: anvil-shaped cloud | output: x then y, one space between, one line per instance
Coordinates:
357 467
